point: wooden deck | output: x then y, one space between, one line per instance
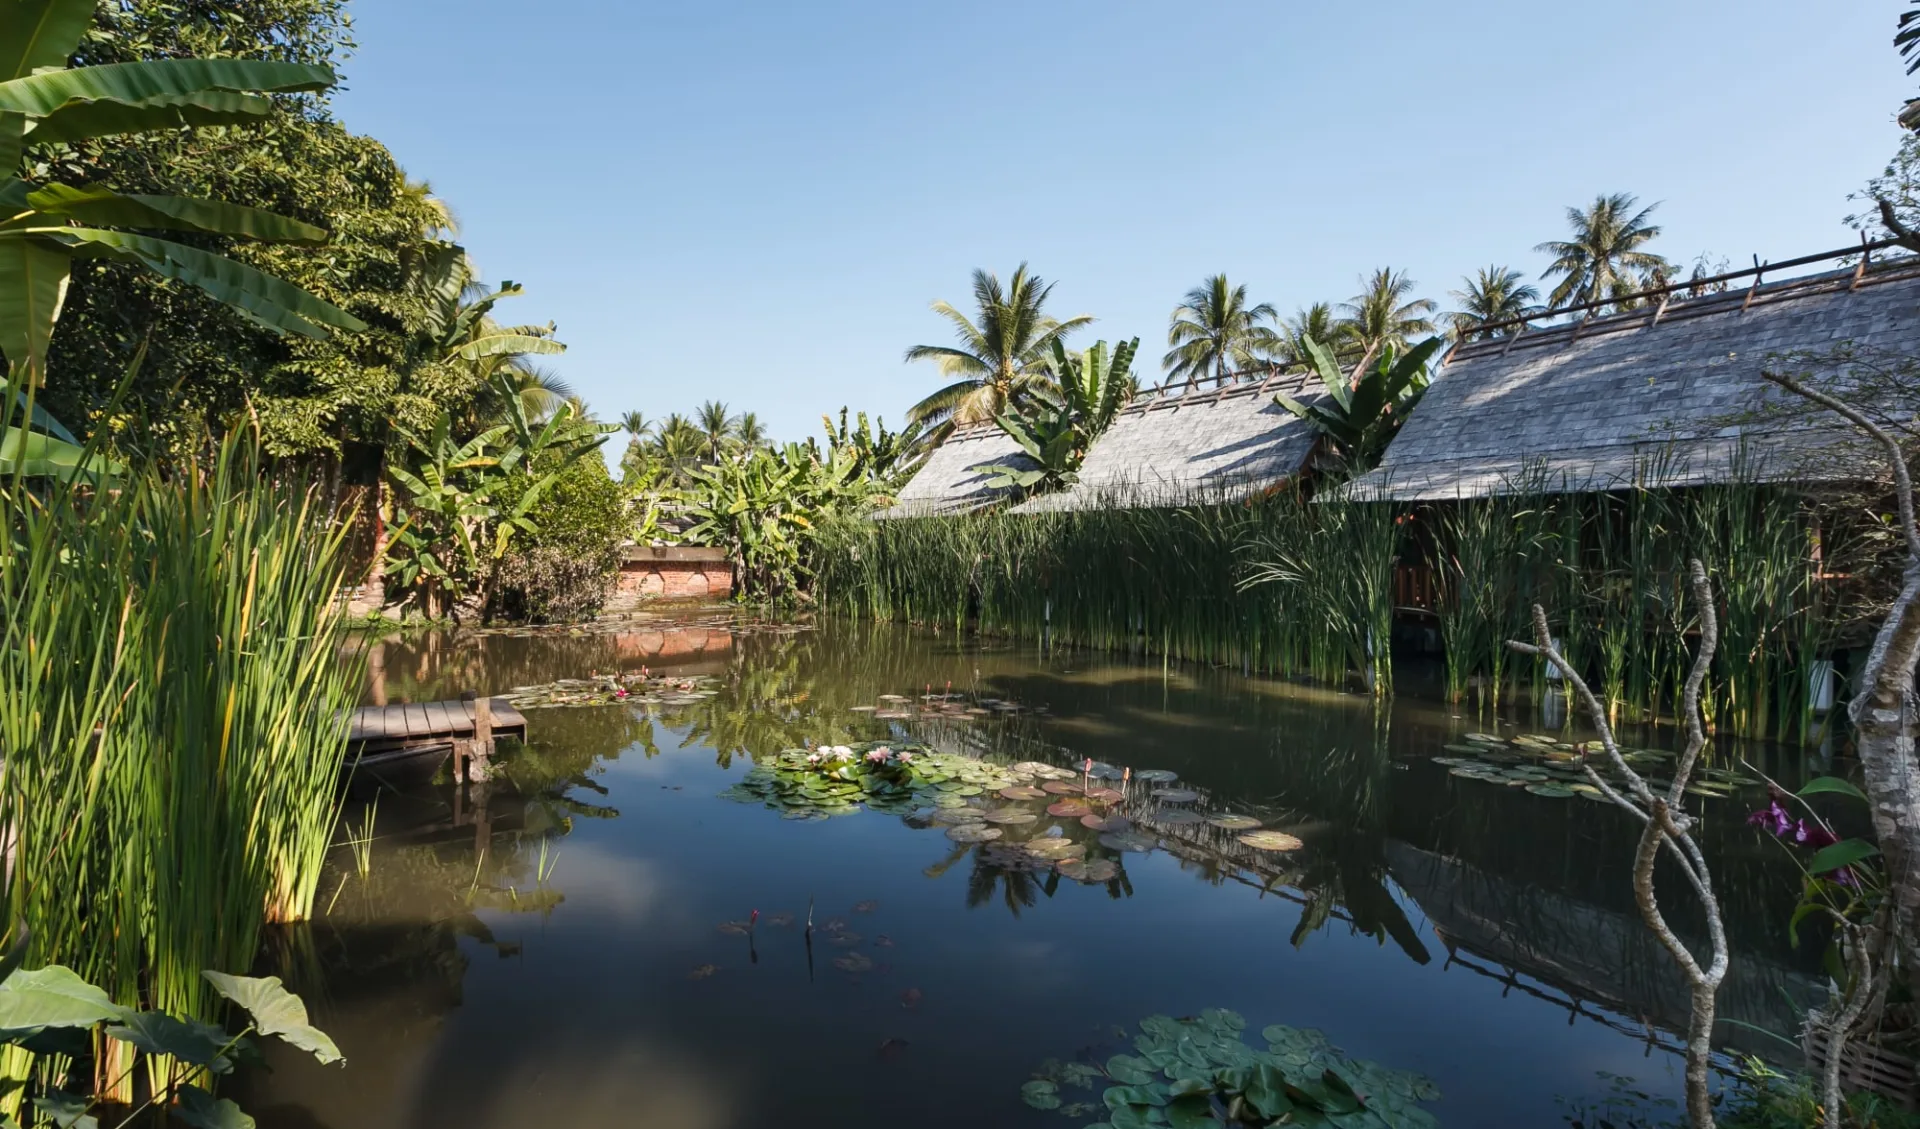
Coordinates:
384 734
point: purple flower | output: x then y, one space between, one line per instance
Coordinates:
1773 819
1813 836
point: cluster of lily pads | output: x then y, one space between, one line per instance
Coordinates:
641 687
1196 1072
948 706
1029 816
1557 769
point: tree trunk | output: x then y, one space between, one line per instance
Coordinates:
1884 739
1700 1057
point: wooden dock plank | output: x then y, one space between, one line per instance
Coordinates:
417 727
441 720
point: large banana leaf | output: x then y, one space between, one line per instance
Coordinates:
39 95
42 419
109 117
40 33
33 285
105 207
38 455
508 345
272 302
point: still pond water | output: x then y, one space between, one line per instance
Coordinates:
549 950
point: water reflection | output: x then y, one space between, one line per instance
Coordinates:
545 933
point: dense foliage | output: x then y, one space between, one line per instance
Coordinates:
564 570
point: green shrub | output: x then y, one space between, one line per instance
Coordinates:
565 569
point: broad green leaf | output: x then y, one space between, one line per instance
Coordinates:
110 117
1821 784
38 95
201 1044
1130 1071
273 302
53 996
1118 1096
42 419
68 1111
1844 853
275 1011
204 1111
40 33
33 287
1041 1094
509 345
38 455
1191 1112
105 207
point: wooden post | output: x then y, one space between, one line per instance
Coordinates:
463 750
482 738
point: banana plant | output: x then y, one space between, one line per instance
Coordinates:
1093 387
888 459
1052 446
1359 416
45 227
765 508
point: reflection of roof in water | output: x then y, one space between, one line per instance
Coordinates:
1592 954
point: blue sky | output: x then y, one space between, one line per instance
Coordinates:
757 201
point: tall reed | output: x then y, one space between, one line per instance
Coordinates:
173 707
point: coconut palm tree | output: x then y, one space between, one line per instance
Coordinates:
1493 294
750 432
716 426
1604 259
1309 323
678 443
999 357
1382 315
1214 332
635 424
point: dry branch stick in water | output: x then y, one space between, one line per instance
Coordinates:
1664 824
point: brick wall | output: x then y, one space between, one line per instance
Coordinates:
672 573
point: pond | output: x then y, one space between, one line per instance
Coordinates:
576 942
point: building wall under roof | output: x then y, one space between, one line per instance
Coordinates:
1630 398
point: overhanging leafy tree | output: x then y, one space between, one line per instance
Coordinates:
45 227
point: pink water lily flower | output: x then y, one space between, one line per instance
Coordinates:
877 756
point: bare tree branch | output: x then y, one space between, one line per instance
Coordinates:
1664 825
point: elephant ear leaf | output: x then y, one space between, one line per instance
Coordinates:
204 1111
275 1011
200 1044
53 996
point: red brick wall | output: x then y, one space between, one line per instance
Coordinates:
672 580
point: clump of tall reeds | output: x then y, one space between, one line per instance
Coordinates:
173 708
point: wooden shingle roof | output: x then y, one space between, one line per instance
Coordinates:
1170 447
1655 395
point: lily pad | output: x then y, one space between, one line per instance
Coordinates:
1234 822
1069 809
1088 870
854 963
1271 841
1176 795
1041 1094
1177 816
1054 847
973 833
1128 841
1061 788
1556 791
1113 822
1021 792
1011 816
1105 795
955 816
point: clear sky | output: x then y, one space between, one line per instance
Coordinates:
756 201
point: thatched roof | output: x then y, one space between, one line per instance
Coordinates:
947 484
1654 395
1168 448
